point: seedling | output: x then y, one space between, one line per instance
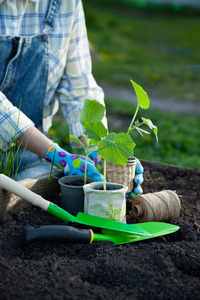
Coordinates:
78 142
9 163
113 147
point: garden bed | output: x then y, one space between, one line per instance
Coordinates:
163 268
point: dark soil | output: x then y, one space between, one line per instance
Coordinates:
75 183
167 267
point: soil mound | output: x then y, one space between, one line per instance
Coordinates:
167 267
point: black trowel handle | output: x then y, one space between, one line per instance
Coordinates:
57 233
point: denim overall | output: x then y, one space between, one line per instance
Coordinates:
24 67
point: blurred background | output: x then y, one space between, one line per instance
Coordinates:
156 43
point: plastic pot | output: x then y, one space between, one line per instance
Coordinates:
72 197
109 203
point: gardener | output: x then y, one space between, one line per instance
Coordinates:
45 62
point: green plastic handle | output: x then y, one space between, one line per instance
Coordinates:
62 214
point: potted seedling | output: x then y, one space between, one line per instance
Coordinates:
71 187
72 194
108 199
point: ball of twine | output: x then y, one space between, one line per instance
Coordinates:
160 206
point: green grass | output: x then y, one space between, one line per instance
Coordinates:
179 136
159 49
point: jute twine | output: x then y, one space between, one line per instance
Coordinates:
160 206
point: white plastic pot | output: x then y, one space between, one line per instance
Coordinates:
109 204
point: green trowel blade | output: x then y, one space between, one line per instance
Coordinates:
98 222
93 221
154 228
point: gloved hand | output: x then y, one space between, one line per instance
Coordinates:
97 159
71 164
138 177
138 180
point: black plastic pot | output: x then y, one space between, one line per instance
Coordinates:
72 196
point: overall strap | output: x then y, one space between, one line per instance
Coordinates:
51 18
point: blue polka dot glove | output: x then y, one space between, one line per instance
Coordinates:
71 164
97 159
138 180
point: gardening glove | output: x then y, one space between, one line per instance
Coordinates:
71 164
97 159
138 180
138 172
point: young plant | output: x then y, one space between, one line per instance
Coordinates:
78 142
142 101
92 112
113 147
9 162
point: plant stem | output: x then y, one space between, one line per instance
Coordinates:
134 127
49 177
130 126
18 165
138 125
85 173
104 175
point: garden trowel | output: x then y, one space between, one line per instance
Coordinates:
81 218
69 234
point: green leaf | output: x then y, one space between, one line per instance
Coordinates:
117 148
142 97
154 128
95 130
92 111
141 131
76 140
93 142
92 148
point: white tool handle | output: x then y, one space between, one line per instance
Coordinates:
21 191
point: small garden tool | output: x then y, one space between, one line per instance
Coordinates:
82 218
69 234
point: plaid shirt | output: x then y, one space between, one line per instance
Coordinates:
70 80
